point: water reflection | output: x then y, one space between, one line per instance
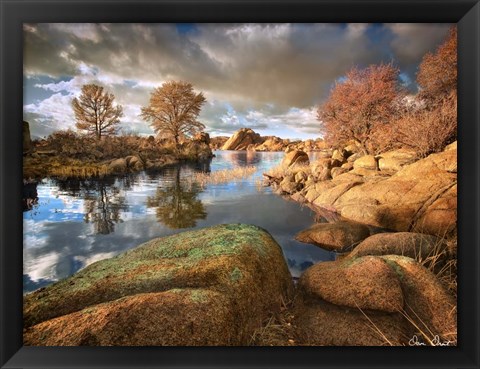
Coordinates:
177 204
244 158
78 222
30 195
103 206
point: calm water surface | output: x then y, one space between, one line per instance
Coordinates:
76 223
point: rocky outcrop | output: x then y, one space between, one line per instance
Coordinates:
118 166
399 202
156 164
217 142
366 162
272 143
295 158
27 141
247 139
420 196
439 214
372 301
134 163
212 286
242 139
393 161
338 236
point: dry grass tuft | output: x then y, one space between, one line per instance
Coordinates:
278 330
83 171
223 176
442 263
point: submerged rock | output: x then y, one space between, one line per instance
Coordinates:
339 236
212 286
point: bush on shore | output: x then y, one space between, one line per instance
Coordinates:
69 154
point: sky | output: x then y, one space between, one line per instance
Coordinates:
268 77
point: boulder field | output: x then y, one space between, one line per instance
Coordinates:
219 285
212 286
391 191
247 139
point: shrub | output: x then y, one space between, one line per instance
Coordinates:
360 105
428 130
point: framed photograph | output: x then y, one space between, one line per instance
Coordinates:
239 184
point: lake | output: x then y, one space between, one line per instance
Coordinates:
77 222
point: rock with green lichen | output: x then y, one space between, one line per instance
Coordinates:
212 286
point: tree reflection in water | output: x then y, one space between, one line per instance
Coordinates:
176 203
103 201
102 208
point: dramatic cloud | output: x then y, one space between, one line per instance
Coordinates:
269 77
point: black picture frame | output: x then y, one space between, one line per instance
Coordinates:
466 13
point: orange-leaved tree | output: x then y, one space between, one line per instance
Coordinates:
95 111
173 110
432 125
437 74
359 107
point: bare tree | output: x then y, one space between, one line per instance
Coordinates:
95 111
173 110
360 105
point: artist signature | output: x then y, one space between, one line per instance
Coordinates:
414 341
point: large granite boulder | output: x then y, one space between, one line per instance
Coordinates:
414 245
401 202
366 162
429 307
338 236
216 143
295 158
365 283
439 215
134 163
118 166
212 286
350 304
272 143
393 161
242 139
373 301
